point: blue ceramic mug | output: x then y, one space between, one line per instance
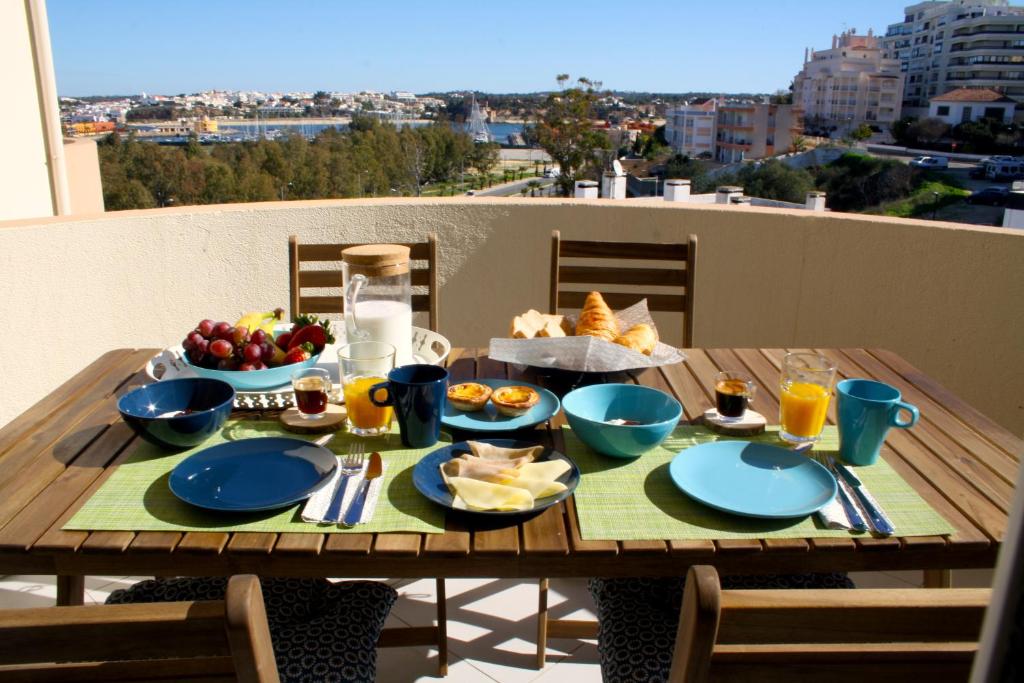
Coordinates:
866 410
417 393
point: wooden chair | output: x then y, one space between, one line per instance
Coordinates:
182 641
607 279
848 635
610 279
424 275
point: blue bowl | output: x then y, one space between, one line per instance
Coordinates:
151 411
589 408
253 380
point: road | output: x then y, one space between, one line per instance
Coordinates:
512 189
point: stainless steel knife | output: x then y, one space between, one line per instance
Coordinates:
880 523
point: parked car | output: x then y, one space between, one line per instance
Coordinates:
930 162
991 196
1004 170
551 172
978 171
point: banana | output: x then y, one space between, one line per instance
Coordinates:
260 320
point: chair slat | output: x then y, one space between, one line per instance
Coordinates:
336 304
100 632
623 250
332 278
619 300
418 251
664 277
198 670
838 616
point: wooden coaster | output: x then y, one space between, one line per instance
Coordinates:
751 424
333 419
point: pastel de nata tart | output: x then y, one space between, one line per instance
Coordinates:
469 396
514 401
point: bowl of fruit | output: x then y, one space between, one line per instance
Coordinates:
248 355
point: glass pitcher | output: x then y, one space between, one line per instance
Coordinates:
378 297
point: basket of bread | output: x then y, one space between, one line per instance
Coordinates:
596 340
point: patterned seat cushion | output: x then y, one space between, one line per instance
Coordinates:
322 632
639 617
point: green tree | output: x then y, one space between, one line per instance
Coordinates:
565 131
682 166
775 180
798 144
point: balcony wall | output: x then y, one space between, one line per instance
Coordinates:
945 296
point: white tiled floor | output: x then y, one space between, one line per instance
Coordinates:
491 623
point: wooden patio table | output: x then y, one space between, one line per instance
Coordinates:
55 455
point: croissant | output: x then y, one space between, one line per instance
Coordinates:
597 319
639 338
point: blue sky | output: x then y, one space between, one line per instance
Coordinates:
131 46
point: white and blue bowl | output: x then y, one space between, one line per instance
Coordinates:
253 380
588 410
154 411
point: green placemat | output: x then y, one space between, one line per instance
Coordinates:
136 496
635 500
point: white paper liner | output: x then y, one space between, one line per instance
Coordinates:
587 354
316 507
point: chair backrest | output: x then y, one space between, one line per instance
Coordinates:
423 271
835 635
224 640
674 280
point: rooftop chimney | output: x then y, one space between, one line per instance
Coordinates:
586 189
725 193
613 186
815 201
677 190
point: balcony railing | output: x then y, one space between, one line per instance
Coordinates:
766 277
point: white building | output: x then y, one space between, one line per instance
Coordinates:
971 104
690 129
946 45
850 84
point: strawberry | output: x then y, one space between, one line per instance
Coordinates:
298 354
283 339
315 335
303 321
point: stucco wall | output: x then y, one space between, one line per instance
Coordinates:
946 297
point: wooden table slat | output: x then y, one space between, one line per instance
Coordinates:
975 420
156 541
397 544
299 544
348 544
204 542
252 542
546 533
108 541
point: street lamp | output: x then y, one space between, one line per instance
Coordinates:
935 203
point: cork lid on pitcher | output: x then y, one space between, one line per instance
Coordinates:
377 260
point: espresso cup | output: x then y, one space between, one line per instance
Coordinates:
866 409
734 391
417 393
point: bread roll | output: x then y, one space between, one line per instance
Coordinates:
597 319
639 338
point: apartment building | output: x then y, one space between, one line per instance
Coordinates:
945 45
690 129
849 84
755 130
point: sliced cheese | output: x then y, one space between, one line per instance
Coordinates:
549 469
488 451
484 495
538 488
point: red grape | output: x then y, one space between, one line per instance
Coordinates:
267 349
195 337
260 365
187 343
221 348
205 328
202 346
195 355
258 337
221 330
253 352
227 364
240 336
246 367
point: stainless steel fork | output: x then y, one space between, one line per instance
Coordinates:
853 515
352 464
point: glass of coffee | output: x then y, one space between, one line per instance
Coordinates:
733 393
312 386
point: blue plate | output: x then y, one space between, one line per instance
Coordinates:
490 420
426 476
753 479
253 474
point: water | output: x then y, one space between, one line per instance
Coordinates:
238 132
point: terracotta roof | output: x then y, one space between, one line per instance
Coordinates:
972 95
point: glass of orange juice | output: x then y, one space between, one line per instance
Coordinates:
363 364
806 386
